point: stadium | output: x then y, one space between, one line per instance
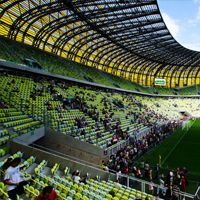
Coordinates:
98 101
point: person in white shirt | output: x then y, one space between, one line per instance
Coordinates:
13 179
117 184
76 176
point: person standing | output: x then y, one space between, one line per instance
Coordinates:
175 192
183 183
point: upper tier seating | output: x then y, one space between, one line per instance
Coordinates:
16 52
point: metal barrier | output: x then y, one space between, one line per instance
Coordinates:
142 133
151 188
187 124
197 194
114 148
137 135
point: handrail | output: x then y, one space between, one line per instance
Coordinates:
64 155
196 193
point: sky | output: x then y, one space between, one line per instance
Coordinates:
182 18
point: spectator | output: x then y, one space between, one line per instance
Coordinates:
14 180
5 166
48 193
117 184
168 193
89 140
161 190
151 188
183 183
175 192
76 176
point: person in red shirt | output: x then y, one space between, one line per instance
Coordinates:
183 183
48 193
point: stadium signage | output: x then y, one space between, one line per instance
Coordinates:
160 81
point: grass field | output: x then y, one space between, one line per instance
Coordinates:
182 149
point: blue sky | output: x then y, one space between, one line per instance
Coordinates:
182 18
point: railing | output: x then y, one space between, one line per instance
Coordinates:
114 148
72 158
142 133
151 188
137 135
197 194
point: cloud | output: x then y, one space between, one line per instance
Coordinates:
191 40
171 24
193 45
185 31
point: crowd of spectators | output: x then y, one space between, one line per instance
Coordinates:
124 159
124 162
103 118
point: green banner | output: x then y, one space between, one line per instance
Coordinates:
159 81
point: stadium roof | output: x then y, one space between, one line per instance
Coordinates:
121 37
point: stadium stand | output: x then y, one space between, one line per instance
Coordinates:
100 47
70 111
85 115
88 116
85 106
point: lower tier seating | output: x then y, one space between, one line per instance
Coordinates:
66 186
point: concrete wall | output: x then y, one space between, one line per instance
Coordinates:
32 136
52 159
72 147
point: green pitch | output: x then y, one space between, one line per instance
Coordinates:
182 149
